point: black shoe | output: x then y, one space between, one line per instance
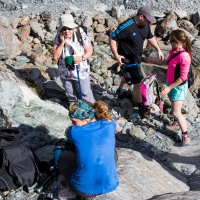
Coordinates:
144 112
124 94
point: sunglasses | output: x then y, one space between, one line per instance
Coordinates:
66 28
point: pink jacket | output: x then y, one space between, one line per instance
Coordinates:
185 62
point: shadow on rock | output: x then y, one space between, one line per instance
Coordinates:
36 137
183 167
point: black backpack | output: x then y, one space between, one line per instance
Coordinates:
17 163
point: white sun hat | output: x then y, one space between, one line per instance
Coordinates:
68 21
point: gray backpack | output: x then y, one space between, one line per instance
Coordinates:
17 163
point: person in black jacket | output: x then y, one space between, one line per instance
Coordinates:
127 42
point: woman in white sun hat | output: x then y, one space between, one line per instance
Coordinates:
66 44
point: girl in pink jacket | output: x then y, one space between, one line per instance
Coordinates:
179 61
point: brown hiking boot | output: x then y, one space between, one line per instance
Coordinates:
172 127
185 140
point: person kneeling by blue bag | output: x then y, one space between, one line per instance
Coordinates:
92 170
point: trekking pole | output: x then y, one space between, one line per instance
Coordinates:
79 82
76 52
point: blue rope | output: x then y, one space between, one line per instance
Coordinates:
79 82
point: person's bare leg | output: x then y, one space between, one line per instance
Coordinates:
122 92
137 95
123 83
176 111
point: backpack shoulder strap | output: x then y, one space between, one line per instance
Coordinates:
79 36
84 28
159 98
158 93
157 90
174 55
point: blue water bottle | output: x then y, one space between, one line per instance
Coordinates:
57 151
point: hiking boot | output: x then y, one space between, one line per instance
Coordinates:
172 127
185 140
124 94
144 112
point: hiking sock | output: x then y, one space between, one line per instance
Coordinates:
185 139
176 121
185 133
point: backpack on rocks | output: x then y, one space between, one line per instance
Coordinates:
17 163
150 91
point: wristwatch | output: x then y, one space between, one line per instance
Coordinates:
83 59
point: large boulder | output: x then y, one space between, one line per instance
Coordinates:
142 178
181 195
33 76
40 120
185 161
196 63
53 90
167 25
9 43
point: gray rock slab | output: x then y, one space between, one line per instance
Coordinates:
154 69
40 120
190 108
141 178
7 74
53 90
191 195
37 30
186 161
9 44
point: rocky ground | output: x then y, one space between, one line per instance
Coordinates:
20 7
151 160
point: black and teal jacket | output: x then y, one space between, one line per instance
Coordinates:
130 38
